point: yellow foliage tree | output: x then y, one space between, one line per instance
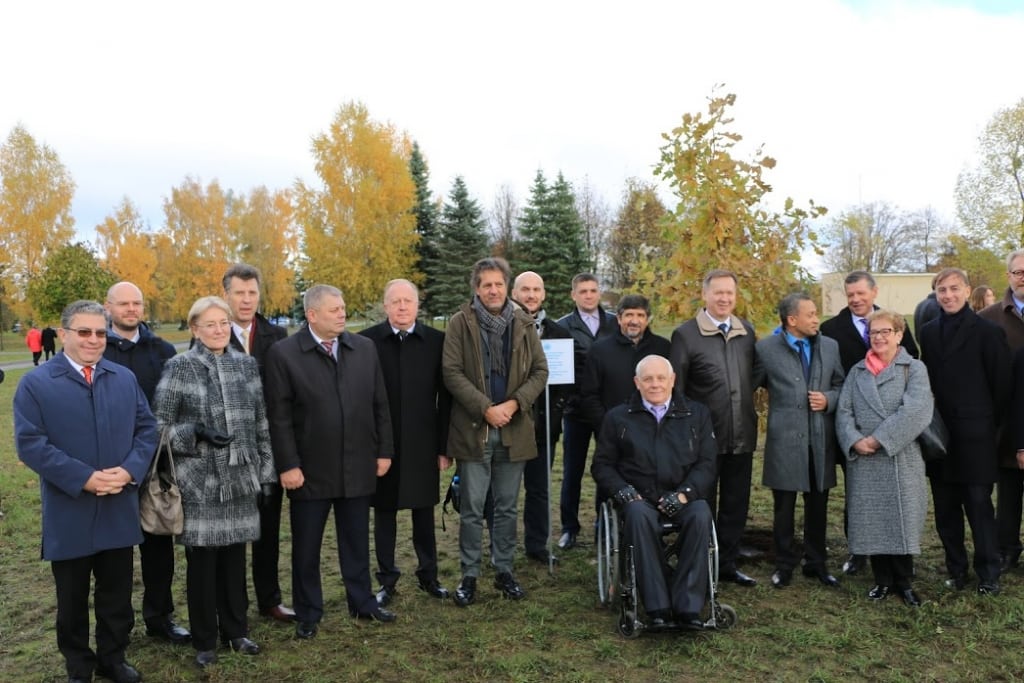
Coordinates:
35 212
358 227
129 252
265 237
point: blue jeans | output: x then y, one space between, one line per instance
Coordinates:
502 477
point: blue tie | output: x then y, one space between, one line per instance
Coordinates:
805 359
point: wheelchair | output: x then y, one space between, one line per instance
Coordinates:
617 578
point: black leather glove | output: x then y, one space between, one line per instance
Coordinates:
266 493
626 494
669 504
212 436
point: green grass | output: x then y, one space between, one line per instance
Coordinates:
559 633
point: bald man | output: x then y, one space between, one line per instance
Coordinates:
131 343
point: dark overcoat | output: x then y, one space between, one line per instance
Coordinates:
262 336
970 377
848 335
1004 314
108 424
420 407
328 417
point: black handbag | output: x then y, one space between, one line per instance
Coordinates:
934 440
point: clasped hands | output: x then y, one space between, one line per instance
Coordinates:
501 414
108 482
866 446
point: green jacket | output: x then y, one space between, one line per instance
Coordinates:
463 370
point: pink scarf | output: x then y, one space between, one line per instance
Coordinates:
874 362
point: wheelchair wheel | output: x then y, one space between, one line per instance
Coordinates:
630 625
725 616
608 555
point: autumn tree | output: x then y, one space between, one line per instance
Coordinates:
505 222
462 240
636 235
425 211
128 251
358 228
264 236
721 220
35 209
551 240
71 272
876 237
982 265
990 196
199 224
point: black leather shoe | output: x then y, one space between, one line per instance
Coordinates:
385 594
567 540
822 576
739 578
509 587
660 620
853 565
910 598
782 578
989 588
80 679
689 622
166 629
279 613
542 557
119 673
878 592
382 615
434 589
1008 561
205 658
465 594
244 645
306 629
957 582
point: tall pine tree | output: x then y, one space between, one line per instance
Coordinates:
552 241
461 242
426 226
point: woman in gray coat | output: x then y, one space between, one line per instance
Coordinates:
886 402
210 402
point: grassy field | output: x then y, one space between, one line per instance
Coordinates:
559 633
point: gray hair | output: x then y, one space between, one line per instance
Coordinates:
1017 253
243 271
647 360
400 281
203 304
80 307
316 294
490 263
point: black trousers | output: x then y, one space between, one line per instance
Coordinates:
815 516
1009 492
385 536
217 596
112 604
266 552
895 571
730 503
685 591
951 502
156 555
536 503
352 526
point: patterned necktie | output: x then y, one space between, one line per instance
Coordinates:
724 328
245 340
402 334
328 347
864 332
87 371
805 359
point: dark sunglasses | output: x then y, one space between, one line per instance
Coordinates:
85 332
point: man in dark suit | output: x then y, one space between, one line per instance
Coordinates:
253 334
849 328
969 368
528 292
330 428
410 357
131 344
49 342
587 323
801 370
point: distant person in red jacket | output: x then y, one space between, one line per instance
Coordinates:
34 342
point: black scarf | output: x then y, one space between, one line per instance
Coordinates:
494 327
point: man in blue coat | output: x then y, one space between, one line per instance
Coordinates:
90 456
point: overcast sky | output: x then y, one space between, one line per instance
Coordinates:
858 101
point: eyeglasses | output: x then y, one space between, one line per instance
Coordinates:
210 327
1017 274
882 333
85 332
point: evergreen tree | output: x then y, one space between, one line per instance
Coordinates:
552 240
426 226
462 241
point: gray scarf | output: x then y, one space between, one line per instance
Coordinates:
494 327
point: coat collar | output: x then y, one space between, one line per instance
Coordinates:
709 328
868 385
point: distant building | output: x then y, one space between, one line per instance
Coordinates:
900 292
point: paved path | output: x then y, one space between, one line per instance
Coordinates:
19 364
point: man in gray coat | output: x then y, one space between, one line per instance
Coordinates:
803 374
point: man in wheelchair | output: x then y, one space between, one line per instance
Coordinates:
655 458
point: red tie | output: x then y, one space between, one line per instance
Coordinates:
87 371
328 347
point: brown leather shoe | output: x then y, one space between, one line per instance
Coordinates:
279 612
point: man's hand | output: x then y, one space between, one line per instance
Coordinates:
817 401
443 462
383 465
627 494
292 479
107 482
670 503
501 414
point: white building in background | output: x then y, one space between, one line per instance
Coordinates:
900 292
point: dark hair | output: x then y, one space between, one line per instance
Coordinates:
490 263
858 275
717 273
243 271
80 307
790 305
634 301
583 277
978 297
